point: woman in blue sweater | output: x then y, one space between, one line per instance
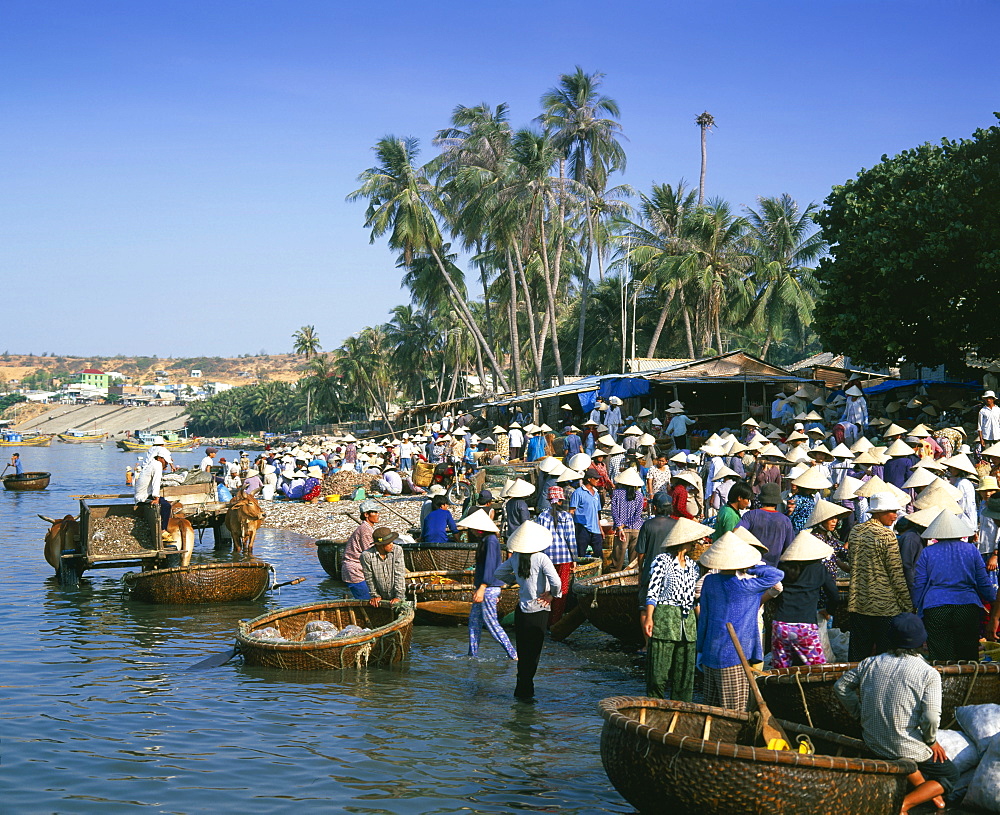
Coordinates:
484 602
731 596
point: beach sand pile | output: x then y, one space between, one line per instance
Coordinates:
330 520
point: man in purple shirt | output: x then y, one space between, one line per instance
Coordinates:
768 525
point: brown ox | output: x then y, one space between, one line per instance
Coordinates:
182 532
62 535
243 519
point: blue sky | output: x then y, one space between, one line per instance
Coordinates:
174 173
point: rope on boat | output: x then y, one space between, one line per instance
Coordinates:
968 693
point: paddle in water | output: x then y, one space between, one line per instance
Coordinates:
770 729
214 661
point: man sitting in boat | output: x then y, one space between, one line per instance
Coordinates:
383 568
885 692
147 488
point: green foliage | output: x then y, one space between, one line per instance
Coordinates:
11 399
144 363
915 248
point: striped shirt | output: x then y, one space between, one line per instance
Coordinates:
563 546
385 576
898 701
626 514
878 583
672 584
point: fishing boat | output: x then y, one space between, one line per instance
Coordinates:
143 441
82 436
611 604
26 482
688 759
12 438
586 568
387 642
805 693
418 557
445 597
206 583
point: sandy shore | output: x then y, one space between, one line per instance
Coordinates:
330 519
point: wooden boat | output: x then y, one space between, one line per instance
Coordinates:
418 557
11 438
688 759
387 643
141 445
805 693
611 603
26 482
207 583
82 436
437 602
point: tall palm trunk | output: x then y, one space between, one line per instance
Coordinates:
704 165
536 353
549 295
687 322
584 297
515 340
660 323
469 320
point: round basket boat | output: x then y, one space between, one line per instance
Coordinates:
26 482
386 643
449 603
586 568
207 583
688 759
805 693
611 603
330 554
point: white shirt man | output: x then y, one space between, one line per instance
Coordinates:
207 462
515 437
391 482
147 484
989 420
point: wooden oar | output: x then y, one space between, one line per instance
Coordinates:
103 497
568 623
770 728
294 582
215 660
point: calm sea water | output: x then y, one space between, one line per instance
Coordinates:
99 715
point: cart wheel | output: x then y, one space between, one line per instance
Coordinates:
458 493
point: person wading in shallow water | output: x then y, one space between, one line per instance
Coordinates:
538 581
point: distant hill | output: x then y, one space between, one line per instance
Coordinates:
244 370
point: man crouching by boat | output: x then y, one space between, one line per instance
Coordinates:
383 567
147 488
884 691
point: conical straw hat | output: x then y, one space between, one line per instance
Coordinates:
797 436
615 449
529 537
824 511
751 422
924 517
869 456
644 413
899 448
633 431
712 450
679 457
685 530
861 445
872 486
823 451
507 484
813 479
478 520
894 430
771 451
921 431
796 454
730 552
960 462
806 546
607 440
948 526
568 475
580 462
987 482
549 465
842 451
747 536
854 390
921 478
930 464
848 489
992 450
544 428
813 416
646 440
520 489
737 447
937 495
629 478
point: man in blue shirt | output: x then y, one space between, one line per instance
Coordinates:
438 522
15 462
572 443
586 508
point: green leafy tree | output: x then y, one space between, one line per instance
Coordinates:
914 253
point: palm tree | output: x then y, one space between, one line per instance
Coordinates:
785 242
361 362
584 127
306 343
403 202
706 121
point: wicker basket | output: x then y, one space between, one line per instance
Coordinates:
586 568
450 603
438 557
688 759
611 603
387 643
330 554
208 583
805 693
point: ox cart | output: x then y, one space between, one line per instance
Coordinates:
199 506
113 536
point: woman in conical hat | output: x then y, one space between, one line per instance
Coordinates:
808 487
823 523
559 521
669 621
732 595
538 582
950 588
627 504
807 584
484 531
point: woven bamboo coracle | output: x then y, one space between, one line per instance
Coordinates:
611 603
687 759
207 583
386 644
